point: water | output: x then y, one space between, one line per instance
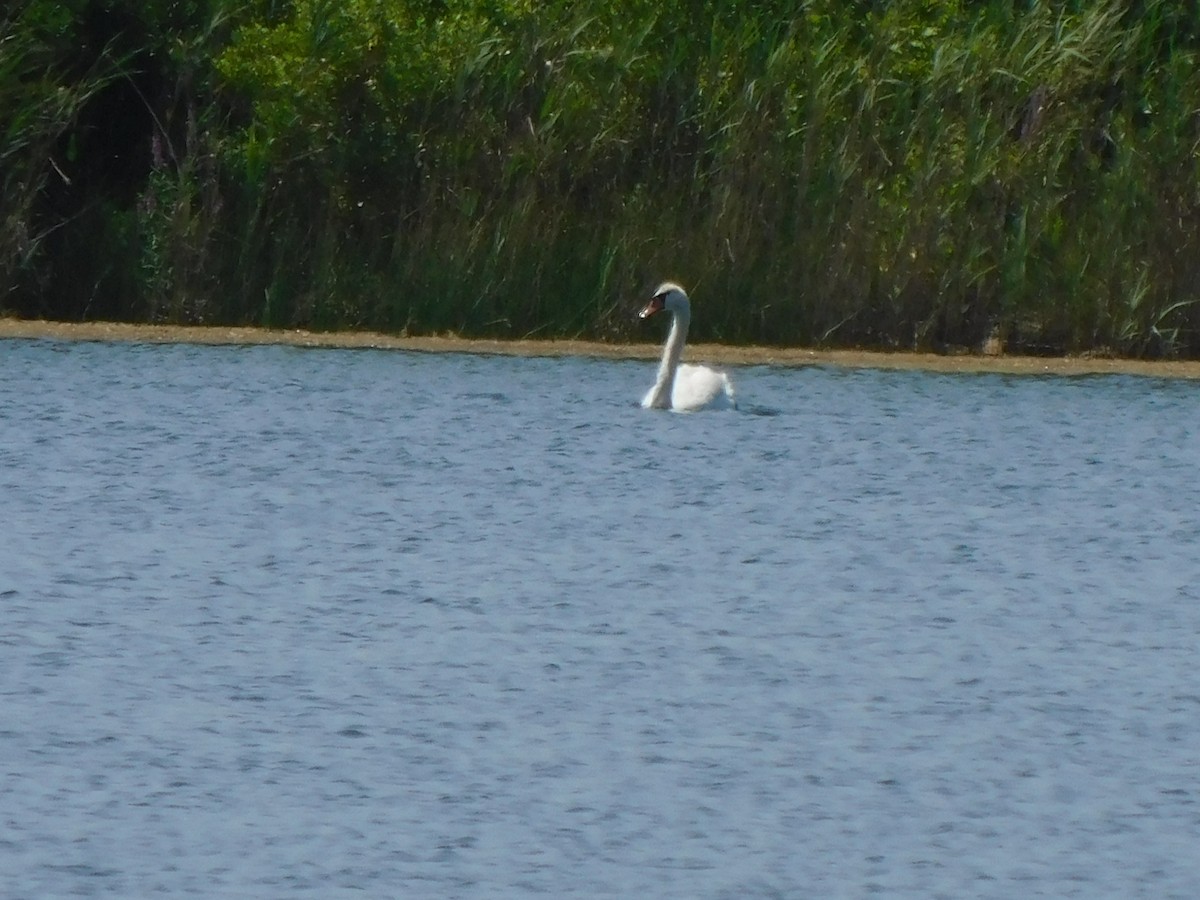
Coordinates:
280 622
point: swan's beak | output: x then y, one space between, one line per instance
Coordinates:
655 305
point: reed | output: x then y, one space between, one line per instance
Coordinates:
908 175
39 105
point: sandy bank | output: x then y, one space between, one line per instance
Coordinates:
714 353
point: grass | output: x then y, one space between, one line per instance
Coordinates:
904 176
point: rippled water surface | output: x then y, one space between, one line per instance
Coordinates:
281 622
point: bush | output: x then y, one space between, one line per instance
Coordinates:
909 175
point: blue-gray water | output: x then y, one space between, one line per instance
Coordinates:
280 622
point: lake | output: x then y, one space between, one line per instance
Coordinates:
333 623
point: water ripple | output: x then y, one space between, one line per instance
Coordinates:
294 622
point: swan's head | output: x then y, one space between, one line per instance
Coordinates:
670 297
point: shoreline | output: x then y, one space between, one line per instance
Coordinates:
39 329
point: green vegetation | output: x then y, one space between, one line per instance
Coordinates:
906 174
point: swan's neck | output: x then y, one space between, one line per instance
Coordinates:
660 395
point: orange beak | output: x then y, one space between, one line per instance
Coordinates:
655 305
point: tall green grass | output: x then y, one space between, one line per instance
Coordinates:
907 175
39 105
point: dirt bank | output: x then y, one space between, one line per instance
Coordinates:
714 353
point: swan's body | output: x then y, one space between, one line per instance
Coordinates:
679 385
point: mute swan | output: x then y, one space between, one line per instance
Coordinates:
683 386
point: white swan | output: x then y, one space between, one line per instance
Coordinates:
682 386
